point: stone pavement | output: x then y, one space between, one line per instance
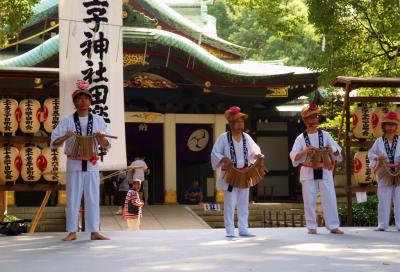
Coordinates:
155 217
274 249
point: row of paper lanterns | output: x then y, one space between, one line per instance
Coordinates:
367 121
29 162
27 115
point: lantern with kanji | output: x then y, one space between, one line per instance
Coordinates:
361 122
9 114
30 115
362 172
10 164
376 118
51 114
33 163
52 165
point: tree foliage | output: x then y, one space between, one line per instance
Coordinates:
270 31
334 37
362 37
13 15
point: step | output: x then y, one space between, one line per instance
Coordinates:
52 220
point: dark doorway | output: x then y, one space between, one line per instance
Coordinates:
193 148
147 140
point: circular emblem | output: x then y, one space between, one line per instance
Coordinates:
198 140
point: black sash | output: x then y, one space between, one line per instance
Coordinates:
390 151
233 153
89 131
317 172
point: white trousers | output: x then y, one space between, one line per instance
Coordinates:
88 184
133 224
240 198
326 188
385 195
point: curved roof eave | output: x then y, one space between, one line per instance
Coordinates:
47 8
181 23
42 10
50 48
35 56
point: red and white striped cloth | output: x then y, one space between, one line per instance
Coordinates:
134 198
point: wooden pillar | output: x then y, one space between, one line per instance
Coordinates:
219 128
170 176
348 157
3 204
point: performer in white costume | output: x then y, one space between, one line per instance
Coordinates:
82 175
317 175
238 148
384 157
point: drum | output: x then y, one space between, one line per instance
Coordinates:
361 122
32 163
51 169
10 164
51 114
361 171
84 148
9 114
30 115
319 158
388 174
246 177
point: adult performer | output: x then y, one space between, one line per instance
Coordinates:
317 176
82 174
384 157
234 148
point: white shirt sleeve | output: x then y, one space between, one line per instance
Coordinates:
373 154
297 147
254 149
217 152
58 132
103 127
335 147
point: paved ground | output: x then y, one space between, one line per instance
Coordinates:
154 217
360 249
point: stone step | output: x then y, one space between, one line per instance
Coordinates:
53 218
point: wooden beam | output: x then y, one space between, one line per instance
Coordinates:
39 212
53 92
3 203
358 189
24 139
32 187
373 99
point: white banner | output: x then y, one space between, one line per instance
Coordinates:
91 49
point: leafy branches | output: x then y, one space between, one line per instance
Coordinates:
13 15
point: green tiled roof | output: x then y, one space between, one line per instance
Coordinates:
133 35
161 11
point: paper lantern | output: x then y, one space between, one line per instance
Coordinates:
10 164
9 114
30 115
33 163
361 122
51 114
361 170
376 118
51 170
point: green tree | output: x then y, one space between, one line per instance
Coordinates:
13 15
362 37
271 30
